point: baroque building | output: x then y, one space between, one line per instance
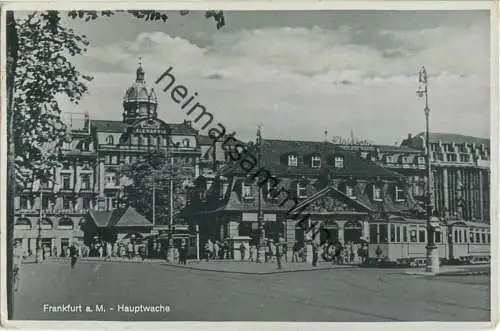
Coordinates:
340 194
89 185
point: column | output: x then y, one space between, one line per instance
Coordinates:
341 230
78 179
38 202
233 229
25 244
445 192
481 196
101 179
366 230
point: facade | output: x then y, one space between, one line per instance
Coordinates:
89 179
461 175
339 192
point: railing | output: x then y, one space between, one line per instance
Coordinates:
48 211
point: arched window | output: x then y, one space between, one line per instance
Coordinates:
185 142
109 140
65 223
46 223
23 223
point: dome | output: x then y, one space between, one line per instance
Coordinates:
139 101
137 92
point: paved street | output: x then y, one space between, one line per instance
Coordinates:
340 295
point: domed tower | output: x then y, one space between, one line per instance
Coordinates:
139 103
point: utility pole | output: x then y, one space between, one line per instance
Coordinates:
170 249
432 251
260 216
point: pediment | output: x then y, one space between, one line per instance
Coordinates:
332 200
150 126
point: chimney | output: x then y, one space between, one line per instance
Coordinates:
409 136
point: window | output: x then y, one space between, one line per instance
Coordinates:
437 236
110 180
316 162
66 181
399 193
377 193
389 159
373 233
421 236
107 159
86 203
460 236
471 237
489 238
383 233
464 158
185 143
349 191
85 182
393 233
477 238
292 160
413 235
405 235
339 161
455 232
247 191
451 157
398 233
269 190
109 140
405 160
25 203
301 190
67 145
45 202
114 159
421 160
483 238
66 203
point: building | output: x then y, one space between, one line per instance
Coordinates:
461 174
89 179
340 193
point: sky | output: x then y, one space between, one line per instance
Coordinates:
300 73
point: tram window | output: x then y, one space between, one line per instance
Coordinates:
477 238
460 236
393 233
483 238
405 235
373 233
465 236
421 236
489 237
456 235
398 233
383 233
413 236
471 237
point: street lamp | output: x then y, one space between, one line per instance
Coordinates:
432 264
260 216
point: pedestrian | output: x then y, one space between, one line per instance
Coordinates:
315 249
130 250
109 250
243 249
101 251
73 255
279 252
216 250
18 256
296 251
251 254
183 252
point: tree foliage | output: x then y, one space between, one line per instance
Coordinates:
43 72
157 170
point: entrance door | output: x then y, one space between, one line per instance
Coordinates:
352 231
46 244
64 245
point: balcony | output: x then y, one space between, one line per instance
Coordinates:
51 212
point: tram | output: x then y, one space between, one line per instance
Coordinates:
403 241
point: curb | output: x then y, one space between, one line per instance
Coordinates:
449 274
255 273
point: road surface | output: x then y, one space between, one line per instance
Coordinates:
349 295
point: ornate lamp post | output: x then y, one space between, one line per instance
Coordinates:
260 215
432 222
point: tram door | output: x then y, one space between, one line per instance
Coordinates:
352 231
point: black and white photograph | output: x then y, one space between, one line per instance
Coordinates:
250 165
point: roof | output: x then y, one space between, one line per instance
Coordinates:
121 217
181 128
205 140
453 137
274 158
381 148
109 126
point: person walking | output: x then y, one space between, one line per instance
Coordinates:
216 250
315 249
279 252
296 251
73 253
18 256
243 249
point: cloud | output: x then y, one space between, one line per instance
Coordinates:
300 81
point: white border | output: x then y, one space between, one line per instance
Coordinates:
493 6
